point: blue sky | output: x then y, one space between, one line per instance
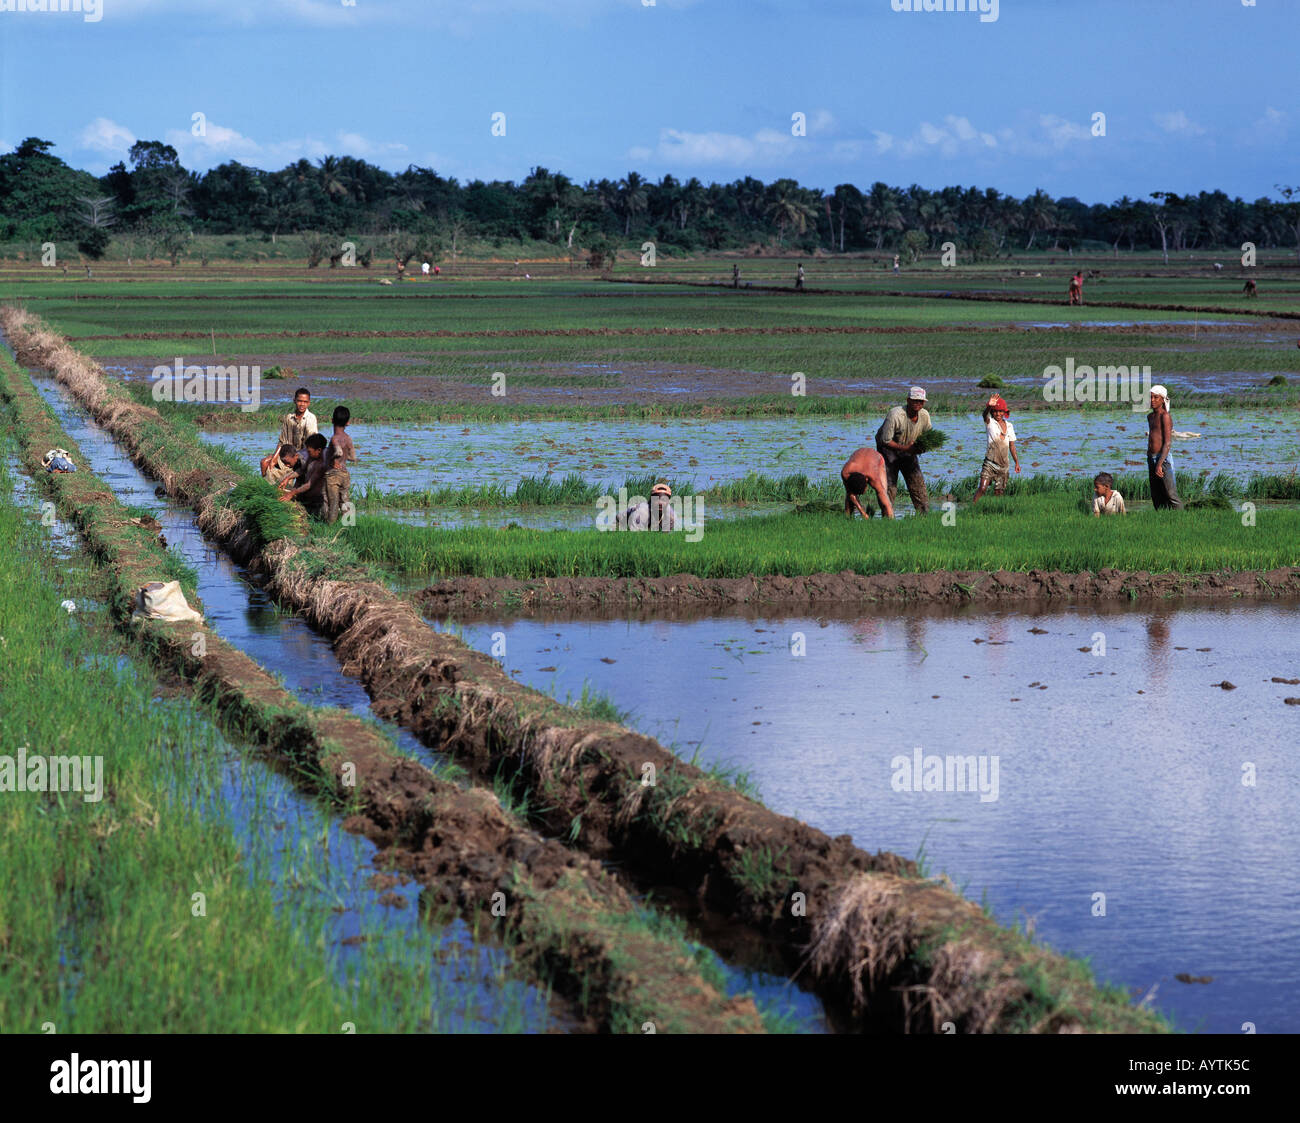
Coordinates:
1197 94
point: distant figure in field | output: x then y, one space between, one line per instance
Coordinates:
865 466
735 276
895 263
657 514
1249 288
1076 288
424 268
437 269
1108 501
798 279
1160 469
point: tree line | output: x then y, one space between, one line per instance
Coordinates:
159 205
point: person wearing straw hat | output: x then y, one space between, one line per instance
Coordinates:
657 514
895 440
1160 469
996 469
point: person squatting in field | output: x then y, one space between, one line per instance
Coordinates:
1250 288
996 469
865 466
1108 501
1160 469
654 514
895 441
298 424
310 491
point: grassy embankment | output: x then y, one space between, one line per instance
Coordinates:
99 931
641 962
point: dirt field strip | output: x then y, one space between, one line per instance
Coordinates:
892 950
685 592
564 916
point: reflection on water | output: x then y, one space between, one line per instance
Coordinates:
1120 773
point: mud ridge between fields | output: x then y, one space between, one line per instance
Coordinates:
947 587
980 297
791 329
566 917
894 952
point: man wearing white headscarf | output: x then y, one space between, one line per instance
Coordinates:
1160 469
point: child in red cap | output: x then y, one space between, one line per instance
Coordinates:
996 469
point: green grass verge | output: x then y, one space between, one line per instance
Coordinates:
1022 532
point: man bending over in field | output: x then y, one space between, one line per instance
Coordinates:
865 466
1249 288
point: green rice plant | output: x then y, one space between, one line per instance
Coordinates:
259 503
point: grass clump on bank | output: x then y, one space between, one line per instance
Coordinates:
1017 533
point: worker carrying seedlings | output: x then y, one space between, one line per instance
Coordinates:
896 441
865 466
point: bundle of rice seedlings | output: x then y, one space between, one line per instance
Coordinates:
990 382
930 440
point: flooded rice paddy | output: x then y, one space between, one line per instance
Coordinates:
411 457
1119 774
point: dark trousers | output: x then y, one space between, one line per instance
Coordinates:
896 462
1164 491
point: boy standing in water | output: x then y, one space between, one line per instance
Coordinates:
1160 469
996 469
338 484
339 439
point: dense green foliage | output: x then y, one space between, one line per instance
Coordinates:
418 212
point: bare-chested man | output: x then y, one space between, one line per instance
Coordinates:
865 466
1160 469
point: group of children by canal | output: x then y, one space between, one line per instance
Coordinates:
899 446
306 467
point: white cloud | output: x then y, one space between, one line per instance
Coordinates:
103 135
766 146
956 136
1061 132
1271 128
220 144
1177 123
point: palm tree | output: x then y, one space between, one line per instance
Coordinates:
881 211
632 197
1039 214
788 207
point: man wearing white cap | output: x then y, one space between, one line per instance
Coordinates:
1160 469
894 441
